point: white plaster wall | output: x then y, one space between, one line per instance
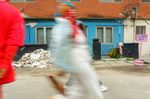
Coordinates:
129 35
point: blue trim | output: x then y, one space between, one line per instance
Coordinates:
116 24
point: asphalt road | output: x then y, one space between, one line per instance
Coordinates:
123 82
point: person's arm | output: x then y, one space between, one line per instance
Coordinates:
7 57
14 40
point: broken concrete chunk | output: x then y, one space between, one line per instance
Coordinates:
39 58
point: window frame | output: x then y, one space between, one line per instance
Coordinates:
104 34
144 2
68 1
111 2
45 40
139 26
74 1
86 32
62 1
23 1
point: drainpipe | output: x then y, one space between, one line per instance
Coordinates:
134 13
134 29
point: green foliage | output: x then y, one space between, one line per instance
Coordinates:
114 53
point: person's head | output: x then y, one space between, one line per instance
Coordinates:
67 10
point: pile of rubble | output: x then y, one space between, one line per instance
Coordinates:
39 58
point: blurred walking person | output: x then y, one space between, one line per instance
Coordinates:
11 37
72 78
70 52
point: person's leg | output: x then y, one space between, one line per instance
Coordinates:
103 88
73 88
59 96
89 80
0 91
71 79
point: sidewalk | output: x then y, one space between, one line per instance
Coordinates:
106 60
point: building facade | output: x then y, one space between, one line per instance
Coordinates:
108 20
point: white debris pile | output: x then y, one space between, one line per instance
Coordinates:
39 58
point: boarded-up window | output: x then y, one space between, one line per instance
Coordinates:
100 34
117 0
107 1
68 0
48 35
105 34
86 31
108 34
140 29
40 36
74 0
63 0
43 35
23 0
145 1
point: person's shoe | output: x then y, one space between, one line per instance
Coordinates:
58 97
103 88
